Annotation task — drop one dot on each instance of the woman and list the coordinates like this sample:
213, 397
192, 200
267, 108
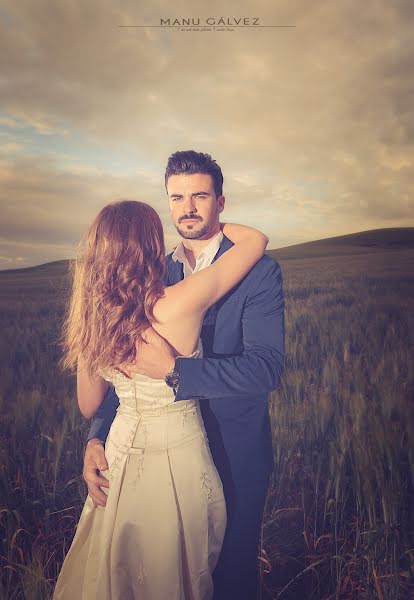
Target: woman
160, 534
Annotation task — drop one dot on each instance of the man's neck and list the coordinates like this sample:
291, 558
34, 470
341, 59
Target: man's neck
193, 248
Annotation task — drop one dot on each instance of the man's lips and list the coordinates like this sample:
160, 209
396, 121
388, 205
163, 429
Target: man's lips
189, 220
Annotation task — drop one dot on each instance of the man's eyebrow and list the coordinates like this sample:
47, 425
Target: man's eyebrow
201, 193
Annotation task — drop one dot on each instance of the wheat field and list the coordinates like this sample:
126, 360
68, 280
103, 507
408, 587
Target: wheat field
339, 519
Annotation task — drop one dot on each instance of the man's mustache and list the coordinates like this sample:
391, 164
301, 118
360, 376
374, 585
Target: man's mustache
194, 217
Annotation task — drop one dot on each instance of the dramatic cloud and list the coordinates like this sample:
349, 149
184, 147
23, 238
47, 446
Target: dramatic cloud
313, 125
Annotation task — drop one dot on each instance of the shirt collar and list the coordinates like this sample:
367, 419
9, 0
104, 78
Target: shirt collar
212, 247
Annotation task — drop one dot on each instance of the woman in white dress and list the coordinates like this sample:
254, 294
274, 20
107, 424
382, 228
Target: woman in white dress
160, 534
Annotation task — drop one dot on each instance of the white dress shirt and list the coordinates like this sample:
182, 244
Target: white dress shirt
203, 260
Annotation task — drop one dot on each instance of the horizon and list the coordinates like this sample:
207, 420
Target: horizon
270, 250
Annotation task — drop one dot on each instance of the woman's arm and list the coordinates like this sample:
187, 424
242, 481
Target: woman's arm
197, 293
91, 390
258, 368
238, 233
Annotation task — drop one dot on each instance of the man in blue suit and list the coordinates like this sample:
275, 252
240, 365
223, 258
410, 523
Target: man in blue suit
243, 343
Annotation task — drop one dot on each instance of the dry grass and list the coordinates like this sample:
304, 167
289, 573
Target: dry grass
338, 522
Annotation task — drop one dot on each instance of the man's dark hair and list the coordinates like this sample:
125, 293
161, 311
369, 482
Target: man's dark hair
189, 162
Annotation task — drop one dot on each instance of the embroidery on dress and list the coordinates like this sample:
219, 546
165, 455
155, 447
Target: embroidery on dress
184, 414
138, 473
206, 486
113, 467
141, 574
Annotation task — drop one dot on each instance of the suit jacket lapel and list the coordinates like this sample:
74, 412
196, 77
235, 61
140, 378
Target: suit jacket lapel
224, 246
175, 272
176, 269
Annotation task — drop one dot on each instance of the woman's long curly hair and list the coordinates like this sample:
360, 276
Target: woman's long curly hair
117, 278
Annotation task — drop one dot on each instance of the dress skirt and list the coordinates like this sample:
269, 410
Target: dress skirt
160, 534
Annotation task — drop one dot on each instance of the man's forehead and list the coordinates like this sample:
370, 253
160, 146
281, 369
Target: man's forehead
189, 181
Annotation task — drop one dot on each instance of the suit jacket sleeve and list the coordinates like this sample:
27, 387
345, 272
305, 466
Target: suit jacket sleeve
104, 416
258, 369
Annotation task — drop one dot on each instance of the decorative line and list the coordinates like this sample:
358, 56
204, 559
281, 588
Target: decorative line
234, 26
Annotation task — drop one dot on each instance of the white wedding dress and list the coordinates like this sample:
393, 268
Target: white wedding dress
160, 534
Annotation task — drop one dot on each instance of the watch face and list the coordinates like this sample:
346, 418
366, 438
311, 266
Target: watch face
172, 379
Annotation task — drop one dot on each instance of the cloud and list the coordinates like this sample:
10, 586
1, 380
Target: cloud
313, 126
59, 204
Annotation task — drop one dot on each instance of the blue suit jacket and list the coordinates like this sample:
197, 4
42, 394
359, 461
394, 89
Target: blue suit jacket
243, 343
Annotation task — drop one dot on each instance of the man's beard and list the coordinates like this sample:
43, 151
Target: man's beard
189, 234
193, 234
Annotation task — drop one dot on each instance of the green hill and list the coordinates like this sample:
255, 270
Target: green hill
49, 275
373, 240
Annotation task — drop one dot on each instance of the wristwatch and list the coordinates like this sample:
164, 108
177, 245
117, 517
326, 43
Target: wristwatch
172, 379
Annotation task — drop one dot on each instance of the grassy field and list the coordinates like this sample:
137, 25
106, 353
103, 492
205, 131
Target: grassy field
339, 520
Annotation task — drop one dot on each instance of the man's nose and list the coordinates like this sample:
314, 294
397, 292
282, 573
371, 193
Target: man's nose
189, 205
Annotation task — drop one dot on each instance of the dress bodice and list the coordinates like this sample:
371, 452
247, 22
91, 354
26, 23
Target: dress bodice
148, 416
141, 394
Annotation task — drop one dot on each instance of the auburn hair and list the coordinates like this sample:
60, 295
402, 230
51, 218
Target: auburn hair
117, 278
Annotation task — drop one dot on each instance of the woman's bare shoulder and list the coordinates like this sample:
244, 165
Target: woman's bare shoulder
165, 306
176, 322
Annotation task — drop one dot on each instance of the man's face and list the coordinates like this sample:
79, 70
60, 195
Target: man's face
194, 207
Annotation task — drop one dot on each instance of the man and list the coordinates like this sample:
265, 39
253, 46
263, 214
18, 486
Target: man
243, 343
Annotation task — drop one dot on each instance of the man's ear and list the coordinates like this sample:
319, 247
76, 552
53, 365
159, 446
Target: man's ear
221, 200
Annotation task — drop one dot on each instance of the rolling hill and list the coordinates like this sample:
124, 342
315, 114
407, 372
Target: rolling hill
363, 242
373, 240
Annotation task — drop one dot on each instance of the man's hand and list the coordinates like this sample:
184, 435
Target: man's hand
95, 461
155, 357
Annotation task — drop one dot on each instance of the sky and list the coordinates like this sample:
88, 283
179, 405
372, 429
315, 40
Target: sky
312, 125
